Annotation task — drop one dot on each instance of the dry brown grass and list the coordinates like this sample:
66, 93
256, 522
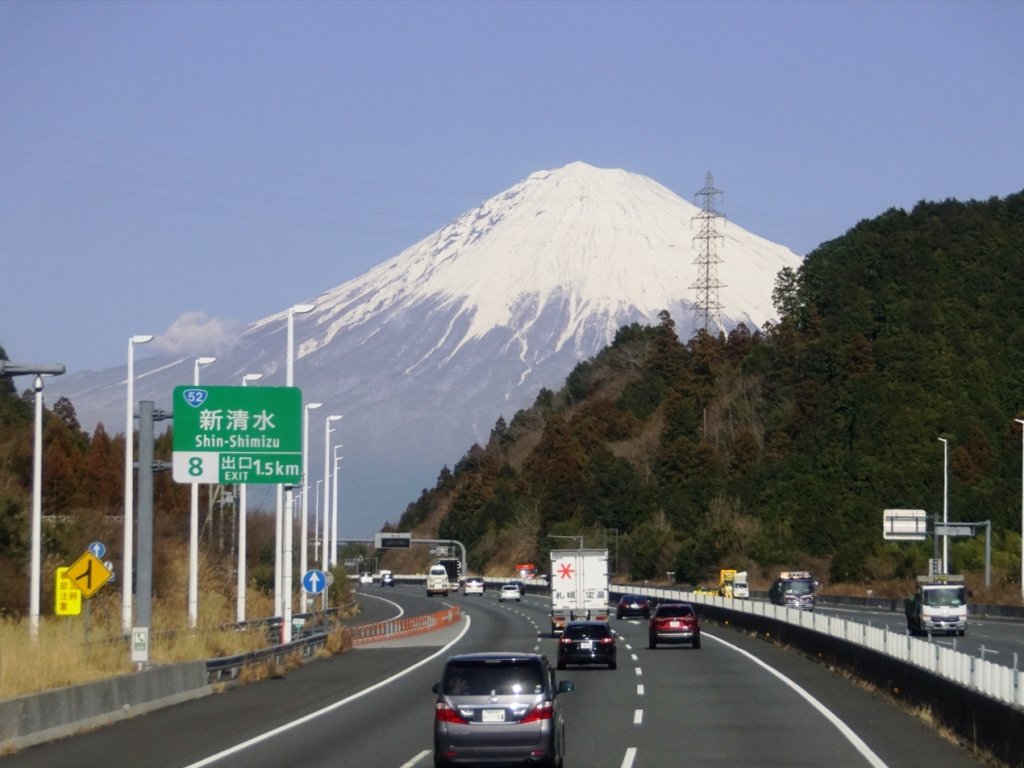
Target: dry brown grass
76, 649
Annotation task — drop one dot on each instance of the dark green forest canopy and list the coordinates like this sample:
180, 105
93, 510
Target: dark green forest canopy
777, 445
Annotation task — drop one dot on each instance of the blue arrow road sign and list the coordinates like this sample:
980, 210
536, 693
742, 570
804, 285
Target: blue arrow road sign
314, 581
98, 549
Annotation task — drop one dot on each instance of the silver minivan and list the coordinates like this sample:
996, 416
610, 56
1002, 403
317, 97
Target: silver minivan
499, 707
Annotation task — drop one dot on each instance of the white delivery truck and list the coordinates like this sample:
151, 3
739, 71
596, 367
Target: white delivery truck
579, 586
740, 586
437, 580
938, 607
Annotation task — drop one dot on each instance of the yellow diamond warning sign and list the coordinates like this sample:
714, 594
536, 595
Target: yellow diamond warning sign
88, 573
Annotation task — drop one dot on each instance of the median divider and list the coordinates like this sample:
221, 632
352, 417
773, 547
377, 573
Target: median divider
392, 629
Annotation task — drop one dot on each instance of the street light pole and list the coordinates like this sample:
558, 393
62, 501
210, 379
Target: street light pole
1021, 422
304, 555
193, 553
129, 490
37, 510
945, 503
243, 528
9, 368
316, 536
295, 309
325, 560
334, 504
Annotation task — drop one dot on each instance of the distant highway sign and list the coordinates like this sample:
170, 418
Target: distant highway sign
392, 540
904, 525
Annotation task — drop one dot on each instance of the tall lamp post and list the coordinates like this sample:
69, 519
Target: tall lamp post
316, 536
1021, 422
193, 539
326, 563
13, 369
945, 503
304, 555
129, 489
243, 528
295, 309
334, 504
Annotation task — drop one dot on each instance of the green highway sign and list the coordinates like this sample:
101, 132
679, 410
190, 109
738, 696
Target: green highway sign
237, 435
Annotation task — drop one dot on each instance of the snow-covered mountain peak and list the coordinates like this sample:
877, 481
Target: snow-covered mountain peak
423, 352
606, 242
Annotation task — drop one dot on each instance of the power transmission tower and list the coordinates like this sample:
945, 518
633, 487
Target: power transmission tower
707, 309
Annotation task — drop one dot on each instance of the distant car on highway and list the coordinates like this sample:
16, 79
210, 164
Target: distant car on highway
499, 707
473, 586
673, 623
587, 642
633, 605
509, 592
387, 579
366, 578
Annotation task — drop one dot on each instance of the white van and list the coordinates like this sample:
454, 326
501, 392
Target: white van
437, 581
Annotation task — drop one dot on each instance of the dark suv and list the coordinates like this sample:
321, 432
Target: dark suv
587, 642
499, 707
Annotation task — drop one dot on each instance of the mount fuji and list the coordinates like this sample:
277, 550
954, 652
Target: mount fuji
424, 352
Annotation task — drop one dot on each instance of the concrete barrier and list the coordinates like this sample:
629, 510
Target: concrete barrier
37, 718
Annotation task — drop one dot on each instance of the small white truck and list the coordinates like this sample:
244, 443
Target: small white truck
740, 586
938, 607
437, 580
579, 586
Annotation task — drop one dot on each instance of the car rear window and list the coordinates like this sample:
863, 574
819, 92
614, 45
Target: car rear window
586, 630
502, 678
675, 610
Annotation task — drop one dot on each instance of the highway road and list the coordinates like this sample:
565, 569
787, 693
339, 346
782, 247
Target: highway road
738, 701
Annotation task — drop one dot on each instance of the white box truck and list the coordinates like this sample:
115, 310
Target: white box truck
437, 580
938, 607
579, 586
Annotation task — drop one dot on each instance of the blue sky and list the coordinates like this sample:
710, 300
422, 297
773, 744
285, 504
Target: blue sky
186, 168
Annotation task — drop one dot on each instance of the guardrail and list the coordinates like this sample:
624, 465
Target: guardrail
312, 640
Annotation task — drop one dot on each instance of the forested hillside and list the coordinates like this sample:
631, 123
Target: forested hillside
781, 446
770, 448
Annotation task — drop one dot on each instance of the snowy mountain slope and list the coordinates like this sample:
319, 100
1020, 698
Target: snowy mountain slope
423, 352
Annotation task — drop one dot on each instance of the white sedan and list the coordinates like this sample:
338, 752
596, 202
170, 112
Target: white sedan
366, 578
510, 592
473, 587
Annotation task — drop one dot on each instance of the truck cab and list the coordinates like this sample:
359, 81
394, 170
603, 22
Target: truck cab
794, 589
939, 606
740, 587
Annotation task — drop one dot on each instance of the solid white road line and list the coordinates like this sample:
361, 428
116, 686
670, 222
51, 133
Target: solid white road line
416, 759
329, 708
842, 727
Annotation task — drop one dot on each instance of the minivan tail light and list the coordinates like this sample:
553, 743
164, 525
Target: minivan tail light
446, 714
543, 711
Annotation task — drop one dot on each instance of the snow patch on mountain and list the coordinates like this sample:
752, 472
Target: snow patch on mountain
425, 351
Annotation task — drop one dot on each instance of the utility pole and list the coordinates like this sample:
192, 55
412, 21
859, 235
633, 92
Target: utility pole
707, 311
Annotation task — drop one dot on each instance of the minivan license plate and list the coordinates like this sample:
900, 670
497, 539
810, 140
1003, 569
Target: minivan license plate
493, 716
